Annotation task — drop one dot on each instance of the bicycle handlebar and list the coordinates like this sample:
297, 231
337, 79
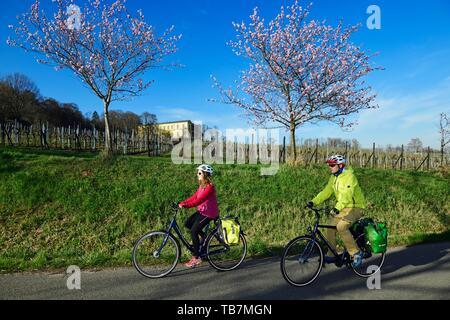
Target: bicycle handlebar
317, 211
175, 206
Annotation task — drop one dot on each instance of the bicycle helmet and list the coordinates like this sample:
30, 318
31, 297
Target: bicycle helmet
206, 168
336, 159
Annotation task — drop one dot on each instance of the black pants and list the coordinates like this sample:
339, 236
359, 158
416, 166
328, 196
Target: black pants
195, 224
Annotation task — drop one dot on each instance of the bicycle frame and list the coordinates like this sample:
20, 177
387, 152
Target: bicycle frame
316, 233
174, 226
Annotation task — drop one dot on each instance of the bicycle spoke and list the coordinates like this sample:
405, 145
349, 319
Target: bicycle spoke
302, 261
224, 257
155, 255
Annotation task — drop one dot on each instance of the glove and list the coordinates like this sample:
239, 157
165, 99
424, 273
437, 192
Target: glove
335, 211
175, 206
310, 205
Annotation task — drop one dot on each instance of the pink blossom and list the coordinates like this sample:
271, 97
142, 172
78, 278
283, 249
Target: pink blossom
110, 52
300, 71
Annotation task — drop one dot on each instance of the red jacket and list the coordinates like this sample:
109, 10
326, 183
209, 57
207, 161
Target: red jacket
205, 200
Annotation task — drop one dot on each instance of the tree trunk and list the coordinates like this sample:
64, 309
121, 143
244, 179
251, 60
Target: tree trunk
108, 146
293, 145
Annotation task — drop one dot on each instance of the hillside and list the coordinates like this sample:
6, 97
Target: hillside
62, 208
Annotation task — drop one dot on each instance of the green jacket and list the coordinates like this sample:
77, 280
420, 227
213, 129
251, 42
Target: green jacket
346, 189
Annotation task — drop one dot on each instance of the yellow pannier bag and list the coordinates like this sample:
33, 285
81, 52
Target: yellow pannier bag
230, 231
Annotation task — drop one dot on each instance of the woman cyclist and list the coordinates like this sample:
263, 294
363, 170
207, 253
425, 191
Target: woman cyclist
205, 200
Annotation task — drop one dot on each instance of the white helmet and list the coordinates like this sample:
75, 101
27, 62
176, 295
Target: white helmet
336, 159
206, 168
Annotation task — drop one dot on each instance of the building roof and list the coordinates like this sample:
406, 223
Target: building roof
172, 122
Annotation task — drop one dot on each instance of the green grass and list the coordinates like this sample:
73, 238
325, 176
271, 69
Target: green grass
62, 208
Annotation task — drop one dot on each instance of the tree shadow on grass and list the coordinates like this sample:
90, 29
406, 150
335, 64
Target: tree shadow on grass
29, 151
9, 168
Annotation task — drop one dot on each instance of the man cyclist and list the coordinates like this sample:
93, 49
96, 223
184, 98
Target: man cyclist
348, 209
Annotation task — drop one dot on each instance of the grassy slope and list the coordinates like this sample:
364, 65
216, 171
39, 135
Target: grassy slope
59, 208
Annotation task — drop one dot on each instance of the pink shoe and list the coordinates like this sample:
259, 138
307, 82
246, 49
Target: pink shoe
193, 262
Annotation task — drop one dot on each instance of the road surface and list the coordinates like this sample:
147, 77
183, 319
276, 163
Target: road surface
418, 272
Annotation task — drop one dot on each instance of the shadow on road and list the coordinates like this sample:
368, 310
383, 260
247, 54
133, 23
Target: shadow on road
330, 282
261, 279
418, 255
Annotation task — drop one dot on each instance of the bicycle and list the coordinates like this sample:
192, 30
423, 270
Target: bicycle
157, 253
305, 253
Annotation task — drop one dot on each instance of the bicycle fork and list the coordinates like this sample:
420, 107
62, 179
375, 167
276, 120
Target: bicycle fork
157, 252
306, 252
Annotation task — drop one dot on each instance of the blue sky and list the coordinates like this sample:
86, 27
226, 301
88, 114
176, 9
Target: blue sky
414, 46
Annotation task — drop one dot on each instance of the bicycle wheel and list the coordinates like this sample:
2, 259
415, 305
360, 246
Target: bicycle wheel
370, 265
156, 254
225, 257
302, 261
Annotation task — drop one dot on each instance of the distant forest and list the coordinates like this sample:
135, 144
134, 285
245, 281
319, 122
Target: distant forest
20, 100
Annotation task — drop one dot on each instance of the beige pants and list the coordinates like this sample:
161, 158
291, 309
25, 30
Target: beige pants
343, 221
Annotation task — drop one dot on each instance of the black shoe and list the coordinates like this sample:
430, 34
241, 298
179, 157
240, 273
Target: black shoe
340, 260
329, 260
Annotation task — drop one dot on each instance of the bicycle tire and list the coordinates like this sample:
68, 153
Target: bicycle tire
138, 264
215, 263
318, 252
382, 256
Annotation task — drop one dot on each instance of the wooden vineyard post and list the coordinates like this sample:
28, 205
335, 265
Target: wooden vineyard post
317, 151
373, 155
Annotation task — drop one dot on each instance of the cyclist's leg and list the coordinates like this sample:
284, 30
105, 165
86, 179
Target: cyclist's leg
330, 235
190, 221
196, 230
348, 217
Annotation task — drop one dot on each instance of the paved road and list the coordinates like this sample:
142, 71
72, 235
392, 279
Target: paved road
419, 272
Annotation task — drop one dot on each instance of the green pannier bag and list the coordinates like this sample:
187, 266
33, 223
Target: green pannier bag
376, 237
231, 230
357, 230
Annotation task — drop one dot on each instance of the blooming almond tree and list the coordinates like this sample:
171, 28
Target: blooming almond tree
101, 42
299, 72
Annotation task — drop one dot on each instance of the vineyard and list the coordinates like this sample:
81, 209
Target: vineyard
146, 140
152, 142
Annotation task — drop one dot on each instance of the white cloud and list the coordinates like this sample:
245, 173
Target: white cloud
396, 121
407, 111
418, 119
177, 113
401, 118
212, 117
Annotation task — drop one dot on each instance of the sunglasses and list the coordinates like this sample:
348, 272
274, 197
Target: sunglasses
332, 165
200, 173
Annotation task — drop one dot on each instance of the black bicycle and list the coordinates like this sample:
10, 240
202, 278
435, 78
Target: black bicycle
157, 253
303, 257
